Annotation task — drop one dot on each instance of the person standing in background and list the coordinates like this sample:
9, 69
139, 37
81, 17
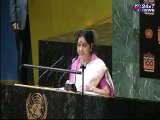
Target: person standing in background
19, 19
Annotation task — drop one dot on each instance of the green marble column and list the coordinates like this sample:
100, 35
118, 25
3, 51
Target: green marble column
125, 55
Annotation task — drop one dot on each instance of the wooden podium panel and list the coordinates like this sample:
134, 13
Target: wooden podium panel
33, 102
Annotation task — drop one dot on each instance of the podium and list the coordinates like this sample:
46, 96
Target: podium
33, 102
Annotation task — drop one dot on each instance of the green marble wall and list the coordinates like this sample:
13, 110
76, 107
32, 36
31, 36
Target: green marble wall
125, 55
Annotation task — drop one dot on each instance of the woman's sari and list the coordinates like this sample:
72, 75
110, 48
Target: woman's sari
95, 73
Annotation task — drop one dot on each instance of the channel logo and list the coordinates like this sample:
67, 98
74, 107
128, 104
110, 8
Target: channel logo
137, 7
144, 8
148, 62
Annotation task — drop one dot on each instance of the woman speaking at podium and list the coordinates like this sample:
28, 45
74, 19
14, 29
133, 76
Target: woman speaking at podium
96, 75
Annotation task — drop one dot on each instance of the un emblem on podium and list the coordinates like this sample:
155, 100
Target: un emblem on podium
36, 106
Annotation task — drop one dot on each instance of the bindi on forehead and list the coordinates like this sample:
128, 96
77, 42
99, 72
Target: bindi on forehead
82, 40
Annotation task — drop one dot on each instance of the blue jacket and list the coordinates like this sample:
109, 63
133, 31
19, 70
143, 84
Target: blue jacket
18, 12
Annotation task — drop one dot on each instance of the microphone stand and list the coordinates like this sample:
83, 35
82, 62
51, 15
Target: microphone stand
83, 67
65, 73
51, 67
60, 80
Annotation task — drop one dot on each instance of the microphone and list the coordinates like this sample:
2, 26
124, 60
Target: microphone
65, 73
49, 74
61, 58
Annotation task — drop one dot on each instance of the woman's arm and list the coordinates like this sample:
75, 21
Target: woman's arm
102, 88
105, 91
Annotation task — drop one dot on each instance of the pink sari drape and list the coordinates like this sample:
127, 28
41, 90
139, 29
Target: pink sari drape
104, 81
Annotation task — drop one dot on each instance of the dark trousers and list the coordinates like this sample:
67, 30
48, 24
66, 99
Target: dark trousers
23, 42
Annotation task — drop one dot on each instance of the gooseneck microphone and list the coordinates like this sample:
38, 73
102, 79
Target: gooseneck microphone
61, 58
65, 73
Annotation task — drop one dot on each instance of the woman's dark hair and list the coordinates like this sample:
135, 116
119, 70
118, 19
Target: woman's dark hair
87, 34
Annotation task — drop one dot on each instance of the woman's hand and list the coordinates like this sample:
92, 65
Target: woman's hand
103, 92
88, 88
69, 82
